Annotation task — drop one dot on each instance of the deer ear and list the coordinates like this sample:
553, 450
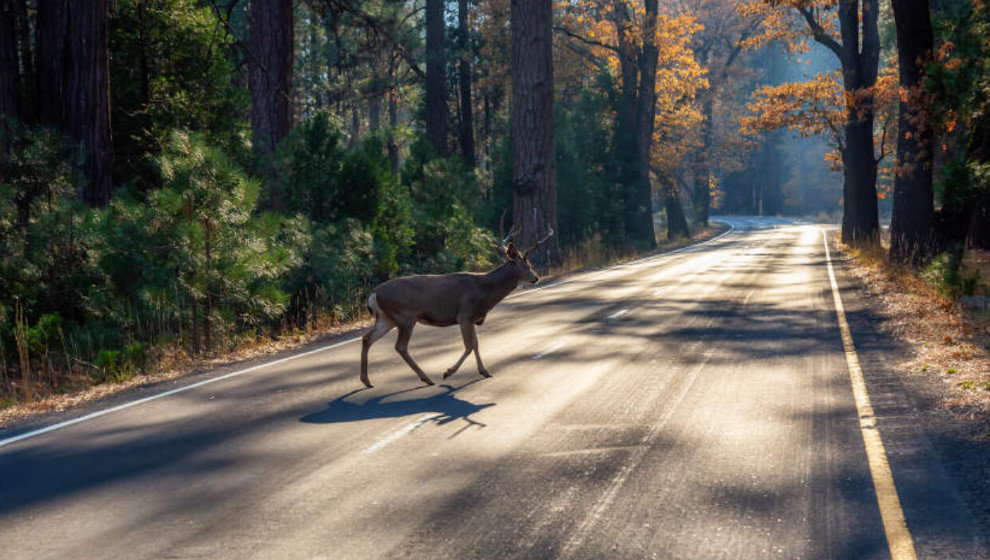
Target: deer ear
511, 252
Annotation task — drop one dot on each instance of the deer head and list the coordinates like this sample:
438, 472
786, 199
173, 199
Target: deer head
512, 255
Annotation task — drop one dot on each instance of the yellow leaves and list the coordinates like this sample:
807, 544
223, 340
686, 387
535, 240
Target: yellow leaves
782, 21
806, 108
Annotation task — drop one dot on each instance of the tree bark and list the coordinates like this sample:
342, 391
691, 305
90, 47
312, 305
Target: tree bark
436, 79
859, 73
534, 174
701, 197
626, 136
639, 208
10, 74
676, 222
270, 82
393, 122
464, 81
913, 213
74, 85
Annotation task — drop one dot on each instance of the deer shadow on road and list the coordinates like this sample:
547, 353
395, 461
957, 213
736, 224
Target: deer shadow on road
445, 406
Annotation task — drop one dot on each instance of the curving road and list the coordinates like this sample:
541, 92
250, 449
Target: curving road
692, 405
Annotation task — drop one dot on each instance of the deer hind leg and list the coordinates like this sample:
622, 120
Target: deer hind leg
467, 332
382, 325
402, 347
481, 367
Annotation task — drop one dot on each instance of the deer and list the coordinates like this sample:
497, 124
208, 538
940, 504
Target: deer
462, 299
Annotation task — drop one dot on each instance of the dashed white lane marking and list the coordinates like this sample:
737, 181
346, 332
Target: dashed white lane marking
618, 314
549, 351
400, 432
169, 393
895, 527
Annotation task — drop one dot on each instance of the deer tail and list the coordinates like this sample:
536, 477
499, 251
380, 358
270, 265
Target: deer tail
373, 305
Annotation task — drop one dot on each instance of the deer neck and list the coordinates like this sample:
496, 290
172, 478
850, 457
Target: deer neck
502, 280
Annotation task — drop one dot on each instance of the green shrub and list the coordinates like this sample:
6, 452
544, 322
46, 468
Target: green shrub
945, 275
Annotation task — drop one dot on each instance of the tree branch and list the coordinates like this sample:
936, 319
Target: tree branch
584, 40
819, 33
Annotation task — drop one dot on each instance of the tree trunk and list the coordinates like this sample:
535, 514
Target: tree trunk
701, 197
10, 74
393, 122
464, 80
534, 173
270, 82
913, 209
626, 135
436, 79
374, 112
75, 85
676, 222
639, 208
859, 217
859, 72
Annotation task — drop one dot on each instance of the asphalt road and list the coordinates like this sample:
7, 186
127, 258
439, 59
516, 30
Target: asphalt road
693, 405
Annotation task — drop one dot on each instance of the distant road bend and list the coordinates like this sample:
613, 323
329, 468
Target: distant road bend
699, 404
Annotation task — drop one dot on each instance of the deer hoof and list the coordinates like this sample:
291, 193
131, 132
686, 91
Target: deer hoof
429, 381
448, 373
484, 373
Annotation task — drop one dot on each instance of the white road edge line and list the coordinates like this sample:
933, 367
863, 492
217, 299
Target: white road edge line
168, 393
894, 525
549, 351
618, 314
97, 414
400, 432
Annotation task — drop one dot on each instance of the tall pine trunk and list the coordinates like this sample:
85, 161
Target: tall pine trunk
393, 123
270, 82
912, 219
74, 85
436, 79
534, 174
464, 81
10, 75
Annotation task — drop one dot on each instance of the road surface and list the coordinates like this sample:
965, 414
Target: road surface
693, 405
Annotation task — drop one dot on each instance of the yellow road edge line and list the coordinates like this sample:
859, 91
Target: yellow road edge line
899, 539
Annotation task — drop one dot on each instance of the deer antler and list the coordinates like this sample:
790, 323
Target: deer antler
503, 246
541, 241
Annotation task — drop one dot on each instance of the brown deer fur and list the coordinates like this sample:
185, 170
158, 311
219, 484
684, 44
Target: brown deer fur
451, 299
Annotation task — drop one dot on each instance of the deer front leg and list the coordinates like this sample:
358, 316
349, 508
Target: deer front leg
467, 332
481, 367
402, 346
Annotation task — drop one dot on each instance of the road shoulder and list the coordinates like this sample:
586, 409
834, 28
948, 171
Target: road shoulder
940, 466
